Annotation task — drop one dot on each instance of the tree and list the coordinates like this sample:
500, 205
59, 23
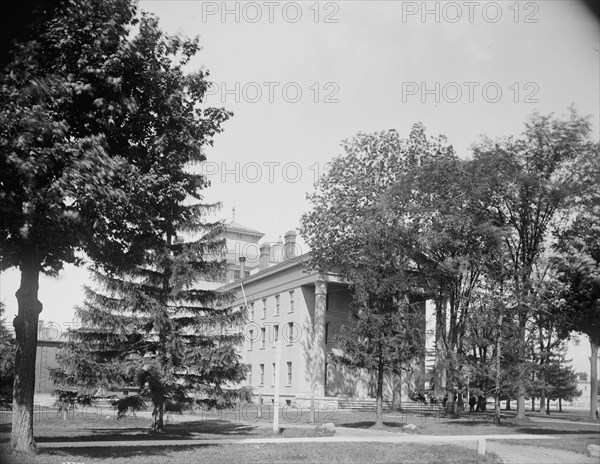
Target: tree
354, 183
89, 124
454, 246
381, 341
353, 231
562, 382
153, 327
524, 186
387, 335
577, 260
7, 359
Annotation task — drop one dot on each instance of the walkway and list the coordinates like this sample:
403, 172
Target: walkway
510, 454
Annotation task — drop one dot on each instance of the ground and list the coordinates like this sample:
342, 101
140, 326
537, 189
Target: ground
95, 435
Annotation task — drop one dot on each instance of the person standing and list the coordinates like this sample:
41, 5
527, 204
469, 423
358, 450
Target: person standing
472, 403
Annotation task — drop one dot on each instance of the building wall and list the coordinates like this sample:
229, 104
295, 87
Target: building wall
275, 284
45, 359
260, 348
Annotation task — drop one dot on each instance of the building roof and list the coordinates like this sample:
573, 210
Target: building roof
234, 226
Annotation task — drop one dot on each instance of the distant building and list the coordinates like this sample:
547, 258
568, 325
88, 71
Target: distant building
584, 385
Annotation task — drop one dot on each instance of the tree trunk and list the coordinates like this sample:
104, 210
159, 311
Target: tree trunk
440, 348
520, 383
498, 358
508, 404
542, 400
460, 404
158, 413
481, 404
26, 331
533, 403
560, 405
379, 400
593, 380
450, 401
521, 401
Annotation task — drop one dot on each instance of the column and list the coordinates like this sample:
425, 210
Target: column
319, 337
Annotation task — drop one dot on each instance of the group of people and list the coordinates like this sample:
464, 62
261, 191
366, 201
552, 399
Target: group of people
476, 404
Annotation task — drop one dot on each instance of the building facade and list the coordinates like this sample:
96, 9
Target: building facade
293, 314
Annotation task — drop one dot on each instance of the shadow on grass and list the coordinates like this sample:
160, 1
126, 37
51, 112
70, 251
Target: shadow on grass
550, 431
370, 424
181, 431
119, 452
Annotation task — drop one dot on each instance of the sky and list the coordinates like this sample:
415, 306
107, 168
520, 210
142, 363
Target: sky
301, 77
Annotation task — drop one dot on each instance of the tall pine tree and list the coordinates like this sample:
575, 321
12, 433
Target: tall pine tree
152, 326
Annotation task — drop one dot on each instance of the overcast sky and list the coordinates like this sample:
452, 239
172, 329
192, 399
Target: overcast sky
301, 77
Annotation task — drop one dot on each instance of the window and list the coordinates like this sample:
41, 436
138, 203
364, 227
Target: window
275, 333
250, 375
262, 374
291, 301
276, 305
251, 311
326, 373
327, 333
289, 373
250, 339
264, 308
290, 338
263, 336
273, 373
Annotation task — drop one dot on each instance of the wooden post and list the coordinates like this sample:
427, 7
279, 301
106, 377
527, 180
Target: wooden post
481, 446
260, 403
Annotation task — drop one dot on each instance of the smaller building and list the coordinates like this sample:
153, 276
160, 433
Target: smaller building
583, 385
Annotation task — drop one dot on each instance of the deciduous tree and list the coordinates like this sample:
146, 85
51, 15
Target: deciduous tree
524, 184
95, 105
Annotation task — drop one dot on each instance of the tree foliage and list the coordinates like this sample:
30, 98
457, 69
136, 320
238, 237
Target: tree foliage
7, 359
473, 235
523, 185
98, 123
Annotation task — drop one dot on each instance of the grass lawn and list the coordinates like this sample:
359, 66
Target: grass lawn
576, 444
264, 453
575, 435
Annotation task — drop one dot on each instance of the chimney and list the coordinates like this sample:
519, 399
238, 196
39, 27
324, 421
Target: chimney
289, 248
265, 256
242, 267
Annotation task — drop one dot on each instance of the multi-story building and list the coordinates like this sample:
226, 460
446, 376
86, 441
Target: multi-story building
297, 312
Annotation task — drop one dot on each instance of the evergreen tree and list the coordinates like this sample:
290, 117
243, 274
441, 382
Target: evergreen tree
382, 341
561, 382
152, 326
7, 360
